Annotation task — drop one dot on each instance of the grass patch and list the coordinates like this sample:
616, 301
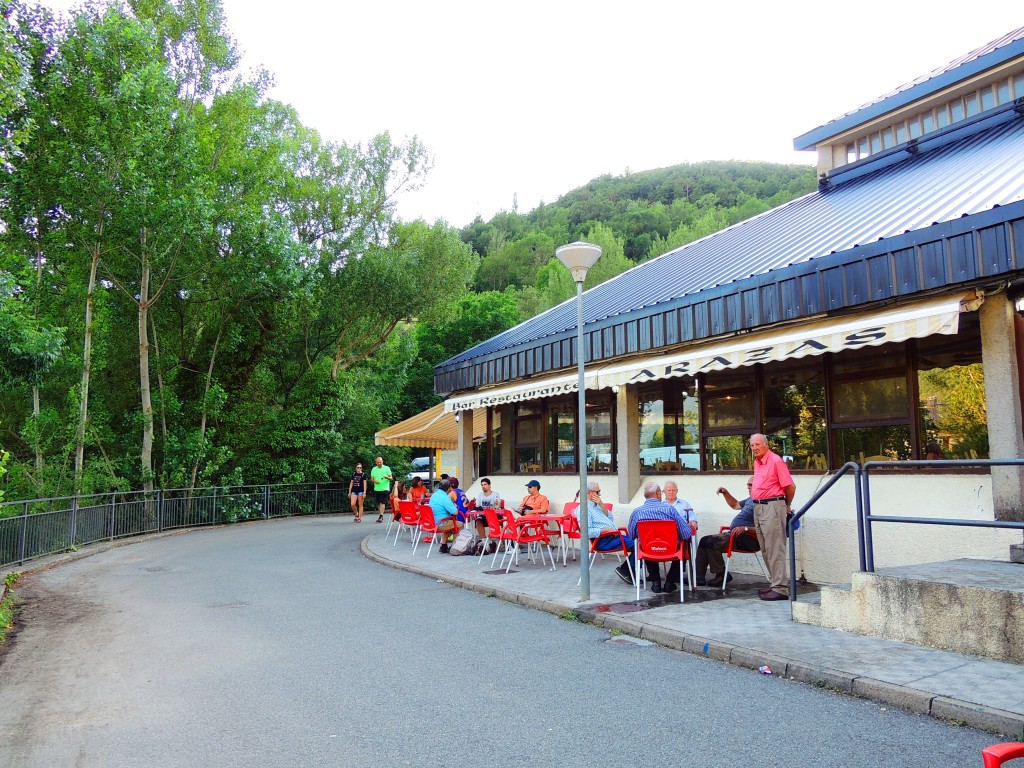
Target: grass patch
569, 616
7, 605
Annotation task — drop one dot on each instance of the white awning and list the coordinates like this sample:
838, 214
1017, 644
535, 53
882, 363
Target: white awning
562, 384
938, 316
926, 318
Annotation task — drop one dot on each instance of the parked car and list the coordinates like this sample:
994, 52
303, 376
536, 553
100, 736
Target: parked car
420, 468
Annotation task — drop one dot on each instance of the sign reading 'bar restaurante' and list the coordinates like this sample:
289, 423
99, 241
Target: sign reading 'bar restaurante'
939, 316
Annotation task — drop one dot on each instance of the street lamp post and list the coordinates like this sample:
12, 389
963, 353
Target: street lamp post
579, 257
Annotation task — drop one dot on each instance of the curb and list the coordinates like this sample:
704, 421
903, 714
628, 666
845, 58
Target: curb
910, 699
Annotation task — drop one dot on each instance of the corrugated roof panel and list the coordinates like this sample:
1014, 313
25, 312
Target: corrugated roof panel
963, 177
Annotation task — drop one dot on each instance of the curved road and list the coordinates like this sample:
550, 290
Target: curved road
277, 644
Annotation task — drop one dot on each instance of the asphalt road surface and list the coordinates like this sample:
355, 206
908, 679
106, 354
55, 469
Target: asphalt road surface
278, 644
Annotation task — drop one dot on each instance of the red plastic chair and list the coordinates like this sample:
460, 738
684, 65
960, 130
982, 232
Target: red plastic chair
408, 518
733, 548
571, 525
998, 754
658, 541
527, 532
570, 529
395, 515
436, 530
622, 551
498, 532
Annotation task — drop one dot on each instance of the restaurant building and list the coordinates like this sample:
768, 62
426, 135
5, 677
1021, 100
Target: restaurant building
870, 319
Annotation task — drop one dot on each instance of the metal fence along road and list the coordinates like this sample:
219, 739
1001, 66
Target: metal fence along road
39, 527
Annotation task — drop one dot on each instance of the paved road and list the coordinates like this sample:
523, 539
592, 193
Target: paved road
277, 644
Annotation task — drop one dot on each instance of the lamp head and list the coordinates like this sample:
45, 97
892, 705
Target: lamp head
578, 258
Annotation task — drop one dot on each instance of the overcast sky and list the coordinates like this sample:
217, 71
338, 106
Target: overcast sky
532, 99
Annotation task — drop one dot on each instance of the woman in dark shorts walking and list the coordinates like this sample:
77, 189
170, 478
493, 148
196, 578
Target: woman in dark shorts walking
357, 492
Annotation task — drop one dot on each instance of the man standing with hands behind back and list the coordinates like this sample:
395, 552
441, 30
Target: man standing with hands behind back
772, 492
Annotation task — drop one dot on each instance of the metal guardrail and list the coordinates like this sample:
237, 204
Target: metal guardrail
865, 518
793, 522
41, 527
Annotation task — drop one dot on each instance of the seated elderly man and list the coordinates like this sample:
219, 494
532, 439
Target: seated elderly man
599, 521
711, 547
654, 508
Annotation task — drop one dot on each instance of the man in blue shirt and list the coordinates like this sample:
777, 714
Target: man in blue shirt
654, 508
599, 520
711, 547
444, 510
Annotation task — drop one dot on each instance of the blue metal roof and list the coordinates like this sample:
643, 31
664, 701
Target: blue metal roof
1003, 49
960, 179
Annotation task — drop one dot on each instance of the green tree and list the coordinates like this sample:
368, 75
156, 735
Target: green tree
555, 283
477, 317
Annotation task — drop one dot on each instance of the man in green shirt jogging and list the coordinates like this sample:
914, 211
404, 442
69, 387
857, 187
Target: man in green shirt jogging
381, 478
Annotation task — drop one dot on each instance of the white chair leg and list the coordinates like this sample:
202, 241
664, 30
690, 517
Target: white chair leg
725, 576
637, 578
682, 587
501, 548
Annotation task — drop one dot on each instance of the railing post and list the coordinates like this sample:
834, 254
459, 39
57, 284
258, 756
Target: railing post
266, 502
73, 523
869, 546
859, 496
24, 533
316, 497
160, 511
113, 507
791, 535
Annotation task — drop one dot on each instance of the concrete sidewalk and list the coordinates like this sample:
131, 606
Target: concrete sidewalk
740, 629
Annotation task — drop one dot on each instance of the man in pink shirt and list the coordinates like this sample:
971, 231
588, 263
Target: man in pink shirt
772, 492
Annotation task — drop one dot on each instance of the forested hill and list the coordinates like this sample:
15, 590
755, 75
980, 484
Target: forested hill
648, 212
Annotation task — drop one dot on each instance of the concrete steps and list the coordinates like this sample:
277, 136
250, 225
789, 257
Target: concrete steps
968, 606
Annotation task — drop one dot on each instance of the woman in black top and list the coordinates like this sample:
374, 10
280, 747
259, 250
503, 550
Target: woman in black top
357, 492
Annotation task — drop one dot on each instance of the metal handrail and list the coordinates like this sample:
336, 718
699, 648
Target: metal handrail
794, 520
865, 518
57, 524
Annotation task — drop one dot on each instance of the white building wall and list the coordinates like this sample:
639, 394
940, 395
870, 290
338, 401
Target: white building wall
827, 550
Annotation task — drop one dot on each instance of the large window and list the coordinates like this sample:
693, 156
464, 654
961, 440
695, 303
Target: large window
599, 435
529, 438
561, 442
670, 426
794, 414
951, 398
497, 441
546, 435
870, 404
730, 416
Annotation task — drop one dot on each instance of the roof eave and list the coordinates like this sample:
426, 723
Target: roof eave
822, 134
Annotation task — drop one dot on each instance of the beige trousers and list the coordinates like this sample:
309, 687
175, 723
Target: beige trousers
770, 524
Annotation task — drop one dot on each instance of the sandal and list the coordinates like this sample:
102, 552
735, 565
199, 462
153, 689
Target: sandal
380, 518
